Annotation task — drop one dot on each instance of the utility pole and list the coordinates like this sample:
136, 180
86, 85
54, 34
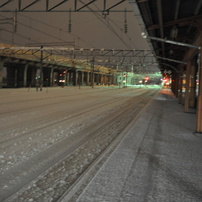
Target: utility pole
109, 74
199, 103
98, 76
41, 68
126, 76
92, 73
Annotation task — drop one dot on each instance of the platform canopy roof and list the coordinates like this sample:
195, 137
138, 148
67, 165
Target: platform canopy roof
173, 27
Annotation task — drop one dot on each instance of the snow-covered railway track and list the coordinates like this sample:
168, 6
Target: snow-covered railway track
10, 136
46, 100
20, 148
16, 118
15, 133
22, 100
54, 169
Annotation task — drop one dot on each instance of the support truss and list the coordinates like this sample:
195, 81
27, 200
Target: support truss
62, 6
82, 52
104, 57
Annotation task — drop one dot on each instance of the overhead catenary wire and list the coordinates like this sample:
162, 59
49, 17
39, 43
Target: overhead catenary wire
19, 35
107, 22
100, 17
126, 34
51, 26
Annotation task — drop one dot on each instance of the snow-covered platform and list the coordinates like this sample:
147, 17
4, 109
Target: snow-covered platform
160, 159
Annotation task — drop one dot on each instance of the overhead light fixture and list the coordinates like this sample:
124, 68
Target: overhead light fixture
174, 32
144, 35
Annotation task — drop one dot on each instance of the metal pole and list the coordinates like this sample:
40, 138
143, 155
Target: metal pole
172, 42
1, 73
199, 103
177, 61
109, 74
41, 68
187, 93
192, 101
92, 73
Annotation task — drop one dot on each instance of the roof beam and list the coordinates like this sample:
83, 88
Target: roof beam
177, 9
182, 21
140, 1
160, 17
198, 7
196, 12
171, 60
173, 42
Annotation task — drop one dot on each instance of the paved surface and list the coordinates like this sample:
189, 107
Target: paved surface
160, 159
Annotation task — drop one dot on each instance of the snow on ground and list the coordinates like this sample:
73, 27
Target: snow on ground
48, 138
160, 159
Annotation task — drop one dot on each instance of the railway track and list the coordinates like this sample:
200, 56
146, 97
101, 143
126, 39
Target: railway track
46, 100
56, 118
56, 168
10, 109
50, 121
44, 131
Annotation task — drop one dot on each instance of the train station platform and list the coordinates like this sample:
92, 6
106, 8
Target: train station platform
160, 159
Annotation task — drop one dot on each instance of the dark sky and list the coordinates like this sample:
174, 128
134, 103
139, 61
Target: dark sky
89, 29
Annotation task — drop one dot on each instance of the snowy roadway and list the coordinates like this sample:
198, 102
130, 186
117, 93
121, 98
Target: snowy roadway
52, 139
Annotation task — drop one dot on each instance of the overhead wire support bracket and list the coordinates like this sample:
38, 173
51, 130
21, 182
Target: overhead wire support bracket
138, 52
126, 52
31, 4
50, 9
113, 5
21, 6
26, 52
105, 11
117, 52
2, 5
83, 5
17, 51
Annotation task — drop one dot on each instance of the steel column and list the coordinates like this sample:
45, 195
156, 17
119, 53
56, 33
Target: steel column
25, 75
199, 103
51, 76
41, 69
87, 78
187, 94
82, 77
192, 101
1, 73
180, 84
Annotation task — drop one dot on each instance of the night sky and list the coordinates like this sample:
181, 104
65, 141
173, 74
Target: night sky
88, 29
